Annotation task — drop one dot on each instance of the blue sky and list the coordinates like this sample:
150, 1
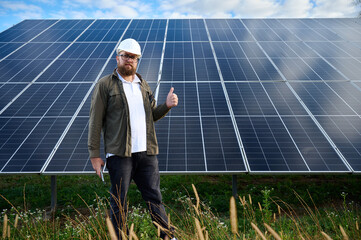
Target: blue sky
14, 11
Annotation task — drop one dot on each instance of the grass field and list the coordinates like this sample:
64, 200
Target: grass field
317, 203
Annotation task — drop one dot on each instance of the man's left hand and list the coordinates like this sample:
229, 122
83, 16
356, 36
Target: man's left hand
172, 99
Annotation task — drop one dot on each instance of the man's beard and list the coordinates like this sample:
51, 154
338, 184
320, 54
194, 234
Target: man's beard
126, 72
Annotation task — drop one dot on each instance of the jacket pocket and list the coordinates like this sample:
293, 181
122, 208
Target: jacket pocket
115, 101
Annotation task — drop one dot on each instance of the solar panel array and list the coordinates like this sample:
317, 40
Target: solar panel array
255, 95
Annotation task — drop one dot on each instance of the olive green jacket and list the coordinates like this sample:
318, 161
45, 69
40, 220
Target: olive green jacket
109, 112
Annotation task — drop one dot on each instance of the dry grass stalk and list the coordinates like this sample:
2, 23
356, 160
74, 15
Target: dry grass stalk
233, 212
199, 229
196, 194
302, 238
89, 236
207, 235
123, 235
273, 232
274, 217
196, 209
250, 199
345, 237
241, 200
16, 221
326, 236
113, 235
260, 207
8, 231
5, 226
254, 226
132, 234
279, 209
357, 226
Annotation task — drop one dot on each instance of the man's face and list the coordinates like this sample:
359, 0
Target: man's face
127, 63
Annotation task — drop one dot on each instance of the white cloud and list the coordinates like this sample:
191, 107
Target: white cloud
334, 9
258, 8
20, 6
294, 9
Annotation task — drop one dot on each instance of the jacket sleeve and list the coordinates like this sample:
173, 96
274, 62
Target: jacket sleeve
96, 116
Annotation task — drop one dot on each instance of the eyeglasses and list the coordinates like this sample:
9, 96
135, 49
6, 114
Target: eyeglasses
127, 57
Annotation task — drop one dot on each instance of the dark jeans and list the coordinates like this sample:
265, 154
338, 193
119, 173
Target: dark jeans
143, 169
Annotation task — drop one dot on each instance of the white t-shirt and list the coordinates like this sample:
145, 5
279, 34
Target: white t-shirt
136, 115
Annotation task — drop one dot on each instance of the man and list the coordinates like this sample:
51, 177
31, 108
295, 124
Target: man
123, 107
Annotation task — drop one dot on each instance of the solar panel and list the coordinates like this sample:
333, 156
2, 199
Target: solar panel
255, 95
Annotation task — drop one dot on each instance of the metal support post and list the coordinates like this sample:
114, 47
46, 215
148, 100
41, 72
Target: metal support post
53, 193
234, 186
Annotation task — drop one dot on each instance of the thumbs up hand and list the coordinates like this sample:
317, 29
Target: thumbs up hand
172, 98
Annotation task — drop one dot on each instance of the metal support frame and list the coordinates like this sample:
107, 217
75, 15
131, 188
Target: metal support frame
53, 193
234, 186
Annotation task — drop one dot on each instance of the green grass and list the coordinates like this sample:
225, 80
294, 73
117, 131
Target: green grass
316, 203
214, 190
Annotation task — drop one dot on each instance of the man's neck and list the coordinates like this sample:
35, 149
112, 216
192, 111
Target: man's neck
127, 78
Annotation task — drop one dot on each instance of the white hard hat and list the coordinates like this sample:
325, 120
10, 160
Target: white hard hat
129, 45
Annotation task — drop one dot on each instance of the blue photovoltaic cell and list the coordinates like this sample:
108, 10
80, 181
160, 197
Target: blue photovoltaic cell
178, 70
306, 34
323, 69
21, 70
353, 49
278, 50
221, 34
221, 145
327, 49
315, 149
295, 69
254, 23
349, 93
283, 99
286, 35
237, 70
30, 51
72, 154
149, 69
25, 31
350, 67
329, 35
186, 92
202, 50
267, 34
48, 99
88, 50
206, 70
321, 100
228, 50
73, 71
152, 50
302, 50
178, 50
252, 50
12, 133
249, 99
212, 99
265, 70
346, 134
7, 48
268, 145
35, 149
35, 101
8, 92
180, 145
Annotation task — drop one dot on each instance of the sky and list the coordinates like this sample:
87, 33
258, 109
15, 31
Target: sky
14, 11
